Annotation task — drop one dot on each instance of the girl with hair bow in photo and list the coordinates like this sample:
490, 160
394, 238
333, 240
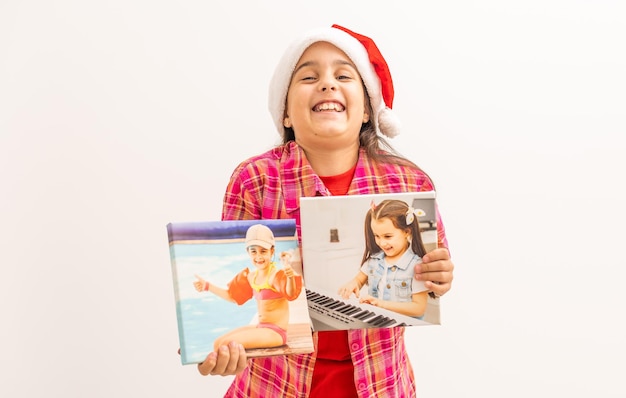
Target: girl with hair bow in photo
393, 246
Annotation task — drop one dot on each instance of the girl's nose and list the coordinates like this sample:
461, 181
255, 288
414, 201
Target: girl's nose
327, 82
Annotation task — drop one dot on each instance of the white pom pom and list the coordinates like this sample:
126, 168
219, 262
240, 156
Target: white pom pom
388, 123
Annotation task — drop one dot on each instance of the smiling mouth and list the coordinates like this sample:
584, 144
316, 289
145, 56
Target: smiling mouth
328, 107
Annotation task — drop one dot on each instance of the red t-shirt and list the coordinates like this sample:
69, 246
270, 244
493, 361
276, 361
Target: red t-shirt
333, 374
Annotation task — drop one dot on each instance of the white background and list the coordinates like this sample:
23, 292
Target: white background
118, 117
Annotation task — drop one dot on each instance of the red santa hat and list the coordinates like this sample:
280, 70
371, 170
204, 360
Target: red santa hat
366, 57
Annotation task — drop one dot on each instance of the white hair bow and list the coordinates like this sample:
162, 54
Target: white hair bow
411, 213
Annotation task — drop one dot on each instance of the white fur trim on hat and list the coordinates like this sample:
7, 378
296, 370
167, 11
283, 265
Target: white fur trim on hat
388, 122
383, 118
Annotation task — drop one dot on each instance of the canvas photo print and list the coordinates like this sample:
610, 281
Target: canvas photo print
359, 254
239, 281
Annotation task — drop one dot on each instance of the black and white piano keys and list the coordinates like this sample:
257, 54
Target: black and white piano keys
330, 312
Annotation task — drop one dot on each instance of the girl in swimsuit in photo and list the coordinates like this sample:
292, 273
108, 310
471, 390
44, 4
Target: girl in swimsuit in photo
273, 288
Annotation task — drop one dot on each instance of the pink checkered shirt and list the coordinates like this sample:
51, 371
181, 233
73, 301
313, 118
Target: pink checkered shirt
269, 186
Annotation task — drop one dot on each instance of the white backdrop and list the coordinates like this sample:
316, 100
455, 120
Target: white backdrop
118, 117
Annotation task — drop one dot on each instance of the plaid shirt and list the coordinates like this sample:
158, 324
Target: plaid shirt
269, 186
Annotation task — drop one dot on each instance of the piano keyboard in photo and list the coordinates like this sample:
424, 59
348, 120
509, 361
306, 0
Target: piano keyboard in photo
329, 313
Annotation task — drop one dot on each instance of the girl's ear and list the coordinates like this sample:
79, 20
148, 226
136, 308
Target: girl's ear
287, 122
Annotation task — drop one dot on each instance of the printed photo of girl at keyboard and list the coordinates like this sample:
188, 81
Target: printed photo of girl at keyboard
359, 257
393, 246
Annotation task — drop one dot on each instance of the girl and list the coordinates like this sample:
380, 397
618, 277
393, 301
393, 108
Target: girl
391, 229
271, 287
330, 99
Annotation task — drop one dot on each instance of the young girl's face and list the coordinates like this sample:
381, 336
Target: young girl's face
326, 100
260, 256
393, 241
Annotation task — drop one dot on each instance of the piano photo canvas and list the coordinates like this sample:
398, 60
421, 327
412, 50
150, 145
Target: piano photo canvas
359, 254
241, 281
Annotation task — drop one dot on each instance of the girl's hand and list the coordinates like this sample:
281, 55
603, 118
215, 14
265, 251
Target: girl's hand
289, 272
285, 258
346, 290
435, 271
370, 300
200, 284
227, 360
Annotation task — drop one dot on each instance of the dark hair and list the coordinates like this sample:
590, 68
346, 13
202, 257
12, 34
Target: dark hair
396, 211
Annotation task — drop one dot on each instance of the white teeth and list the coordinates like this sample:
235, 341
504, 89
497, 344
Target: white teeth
326, 106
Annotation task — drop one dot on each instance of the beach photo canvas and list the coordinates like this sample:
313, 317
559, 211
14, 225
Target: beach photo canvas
209, 259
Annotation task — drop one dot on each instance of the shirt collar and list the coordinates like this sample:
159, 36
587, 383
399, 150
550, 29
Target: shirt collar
299, 178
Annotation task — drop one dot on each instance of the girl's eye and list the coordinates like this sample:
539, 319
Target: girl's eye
343, 77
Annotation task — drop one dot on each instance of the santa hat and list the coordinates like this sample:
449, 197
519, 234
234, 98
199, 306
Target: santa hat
366, 57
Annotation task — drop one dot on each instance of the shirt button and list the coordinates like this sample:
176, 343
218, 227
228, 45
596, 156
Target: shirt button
355, 346
362, 386
388, 286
